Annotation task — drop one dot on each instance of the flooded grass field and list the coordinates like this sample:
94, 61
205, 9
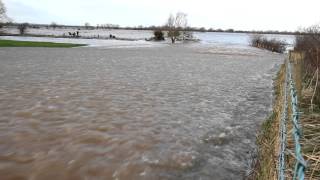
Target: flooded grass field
170, 112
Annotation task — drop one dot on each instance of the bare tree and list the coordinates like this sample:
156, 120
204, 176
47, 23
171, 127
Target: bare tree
87, 25
173, 33
22, 28
54, 25
2, 9
182, 24
3, 16
175, 25
181, 20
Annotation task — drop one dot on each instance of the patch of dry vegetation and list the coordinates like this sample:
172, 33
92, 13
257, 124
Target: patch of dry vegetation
308, 48
273, 45
265, 165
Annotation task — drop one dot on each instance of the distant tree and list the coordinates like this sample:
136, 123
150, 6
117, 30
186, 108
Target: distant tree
3, 16
229, 30
2, 9
202, 29
173, 32
22, 28
54, 25
87, 25
175, 25
109, 26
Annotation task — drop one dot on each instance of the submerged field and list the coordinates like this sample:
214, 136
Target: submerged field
171, 112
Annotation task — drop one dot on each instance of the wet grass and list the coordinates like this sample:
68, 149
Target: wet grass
11, 43
265, 164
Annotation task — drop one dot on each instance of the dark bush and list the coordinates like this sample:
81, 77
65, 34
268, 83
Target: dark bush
273, 45
158, 35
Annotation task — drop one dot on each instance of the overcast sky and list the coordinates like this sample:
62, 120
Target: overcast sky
237, 14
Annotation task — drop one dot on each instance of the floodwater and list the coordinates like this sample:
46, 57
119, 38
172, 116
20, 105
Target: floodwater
187, 111
217, 38
131, 34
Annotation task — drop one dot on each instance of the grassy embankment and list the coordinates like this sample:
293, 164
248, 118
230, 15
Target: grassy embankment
307, 82
11, 43
267, 141
265, 164
305, 63
306, 59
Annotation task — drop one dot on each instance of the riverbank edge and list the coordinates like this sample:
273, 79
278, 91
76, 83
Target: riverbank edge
265, 164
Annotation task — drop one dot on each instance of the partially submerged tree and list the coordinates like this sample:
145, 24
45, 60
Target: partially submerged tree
176, 26
173, 32
87, 25
22, 28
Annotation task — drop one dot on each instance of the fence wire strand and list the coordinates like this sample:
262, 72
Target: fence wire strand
283, 130
300, 164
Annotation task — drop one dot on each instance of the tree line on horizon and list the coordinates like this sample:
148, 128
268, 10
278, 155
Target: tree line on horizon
181, 25
5, 21
152, 27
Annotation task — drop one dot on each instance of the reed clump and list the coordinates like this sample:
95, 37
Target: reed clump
306, 66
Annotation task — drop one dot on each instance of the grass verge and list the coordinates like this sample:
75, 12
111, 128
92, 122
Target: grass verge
310, 122
265, 164
11, 43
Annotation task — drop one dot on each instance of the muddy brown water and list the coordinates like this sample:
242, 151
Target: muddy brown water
180, 112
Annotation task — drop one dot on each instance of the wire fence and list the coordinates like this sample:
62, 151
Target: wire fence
283, 129
300, 164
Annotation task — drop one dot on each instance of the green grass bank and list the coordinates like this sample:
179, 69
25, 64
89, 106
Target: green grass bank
12, 43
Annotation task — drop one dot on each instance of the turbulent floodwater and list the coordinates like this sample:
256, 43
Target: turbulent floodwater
178, 112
